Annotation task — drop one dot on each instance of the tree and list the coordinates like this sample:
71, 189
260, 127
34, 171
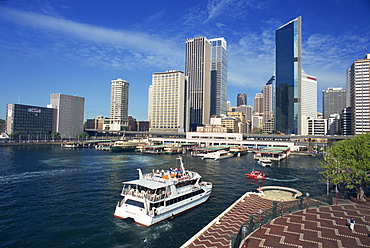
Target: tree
83, 135
348, 161
55, 135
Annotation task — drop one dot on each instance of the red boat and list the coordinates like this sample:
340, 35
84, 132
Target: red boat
256, 174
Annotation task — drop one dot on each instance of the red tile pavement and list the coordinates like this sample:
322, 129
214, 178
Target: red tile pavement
314, 227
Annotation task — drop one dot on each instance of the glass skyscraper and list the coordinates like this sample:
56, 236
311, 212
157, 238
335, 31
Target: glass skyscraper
288, 77
198, 69
219, 76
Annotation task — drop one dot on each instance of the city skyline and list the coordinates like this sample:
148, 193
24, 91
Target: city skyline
77, 49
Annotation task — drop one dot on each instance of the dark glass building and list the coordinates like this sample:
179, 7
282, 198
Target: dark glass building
30, 122
288, 77
241, 99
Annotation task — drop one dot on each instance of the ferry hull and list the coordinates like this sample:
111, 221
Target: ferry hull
124, 212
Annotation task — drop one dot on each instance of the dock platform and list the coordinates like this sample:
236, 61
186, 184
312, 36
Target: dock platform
325, 226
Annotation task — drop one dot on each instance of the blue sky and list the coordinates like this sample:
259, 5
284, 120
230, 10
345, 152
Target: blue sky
77, 47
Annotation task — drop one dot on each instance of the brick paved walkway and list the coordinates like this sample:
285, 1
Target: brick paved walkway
316, 227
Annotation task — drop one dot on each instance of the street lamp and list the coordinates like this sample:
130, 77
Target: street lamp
282, 207
260, 211
307, 195
244, 230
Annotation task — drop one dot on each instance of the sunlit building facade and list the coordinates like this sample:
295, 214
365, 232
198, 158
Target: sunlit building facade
168, 102
360, 98
69, 114
118, 105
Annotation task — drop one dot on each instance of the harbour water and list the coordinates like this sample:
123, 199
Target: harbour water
58, 197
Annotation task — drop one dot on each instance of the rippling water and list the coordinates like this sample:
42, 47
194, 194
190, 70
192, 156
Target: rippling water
55, 197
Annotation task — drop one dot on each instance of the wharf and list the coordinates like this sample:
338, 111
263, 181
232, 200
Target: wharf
325, 226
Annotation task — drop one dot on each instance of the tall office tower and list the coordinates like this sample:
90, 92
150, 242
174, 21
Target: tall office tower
119, 105
219, 63
334, 101
198, 70
168, 102
308, 96
258, 104
288, 77
359, 81
69, 114
348, 88
241, 99
267, 92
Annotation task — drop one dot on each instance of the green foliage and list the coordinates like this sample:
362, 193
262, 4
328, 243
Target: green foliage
348, 161
15, 135
55, 135
83, 135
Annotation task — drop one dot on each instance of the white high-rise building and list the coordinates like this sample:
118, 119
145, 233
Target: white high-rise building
267, 92
360, 98
69, 115
308, 98
118, 105
258, 104
219, 62
168, 105
198, 69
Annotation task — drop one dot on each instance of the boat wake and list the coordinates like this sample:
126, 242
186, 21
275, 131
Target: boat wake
290, 179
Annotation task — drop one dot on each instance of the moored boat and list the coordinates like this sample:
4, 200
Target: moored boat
256, 174
161, 195
265, 162
124, 146
217, 155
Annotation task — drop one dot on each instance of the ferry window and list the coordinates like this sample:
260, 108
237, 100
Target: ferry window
135, 203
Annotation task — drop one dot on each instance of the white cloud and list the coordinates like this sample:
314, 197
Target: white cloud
95, 44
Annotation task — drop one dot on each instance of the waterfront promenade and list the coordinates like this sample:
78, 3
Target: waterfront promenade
325, 226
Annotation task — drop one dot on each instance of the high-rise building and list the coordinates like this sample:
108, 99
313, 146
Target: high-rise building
267, 92
241, 99
69, 114
168, 102
198, 70
219, 63
308, 96
346, 121
29, 122
118, 105
288, 77
360, 98
334, 101
258, 104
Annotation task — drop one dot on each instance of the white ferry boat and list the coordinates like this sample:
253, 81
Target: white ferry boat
161, 195
265, 162
218, 155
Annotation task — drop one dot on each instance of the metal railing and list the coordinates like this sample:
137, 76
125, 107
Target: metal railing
256, 221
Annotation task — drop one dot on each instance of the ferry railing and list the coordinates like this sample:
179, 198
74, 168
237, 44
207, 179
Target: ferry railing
149, 196
256, 221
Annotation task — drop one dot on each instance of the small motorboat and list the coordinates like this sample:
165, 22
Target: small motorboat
256, 174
